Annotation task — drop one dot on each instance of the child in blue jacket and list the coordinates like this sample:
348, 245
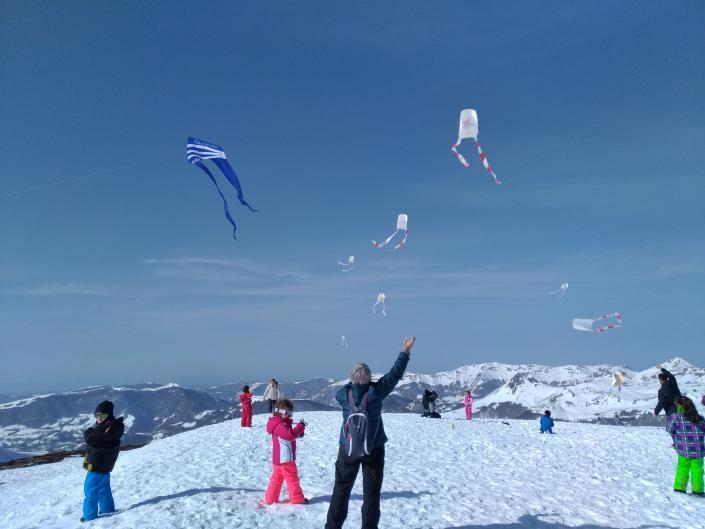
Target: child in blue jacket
546, 422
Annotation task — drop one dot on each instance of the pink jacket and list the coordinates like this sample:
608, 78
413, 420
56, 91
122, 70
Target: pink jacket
283, 438
468, 400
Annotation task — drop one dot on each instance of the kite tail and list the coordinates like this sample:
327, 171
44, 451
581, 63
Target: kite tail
402, 242
483, 158
386, 241
230, 174
225, 202
225, 206
615, 315
454, 148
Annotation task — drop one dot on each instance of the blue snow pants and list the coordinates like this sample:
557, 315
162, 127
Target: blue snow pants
97, 494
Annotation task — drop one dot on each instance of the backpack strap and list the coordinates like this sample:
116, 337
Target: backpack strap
363, 403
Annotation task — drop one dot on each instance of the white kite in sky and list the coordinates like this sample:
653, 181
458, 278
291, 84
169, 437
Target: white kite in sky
349, 265
584, 324
618, 380
469, 129
402, 222
380, 301
344, 341
561, 291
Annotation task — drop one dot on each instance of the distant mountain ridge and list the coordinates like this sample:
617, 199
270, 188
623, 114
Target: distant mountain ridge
44, 423
576, 393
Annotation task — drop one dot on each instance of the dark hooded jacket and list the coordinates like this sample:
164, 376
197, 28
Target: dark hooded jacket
377, 392
103, 445
667, 394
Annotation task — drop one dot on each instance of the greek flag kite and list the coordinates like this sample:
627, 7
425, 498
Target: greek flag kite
199, 150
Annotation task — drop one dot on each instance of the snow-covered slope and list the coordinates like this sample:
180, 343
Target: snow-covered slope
443, 474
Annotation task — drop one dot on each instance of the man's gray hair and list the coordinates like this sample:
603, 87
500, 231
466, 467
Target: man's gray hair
360, 374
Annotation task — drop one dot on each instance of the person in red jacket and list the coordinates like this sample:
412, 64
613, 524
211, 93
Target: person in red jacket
246, 401
284, 454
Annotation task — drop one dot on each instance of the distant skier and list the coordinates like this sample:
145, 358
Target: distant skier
102, 449
688, 431
246, 401
667, 393
546, 422
468, 405
272, 394
284, 454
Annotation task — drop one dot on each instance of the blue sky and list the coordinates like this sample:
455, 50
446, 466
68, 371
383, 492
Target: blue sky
117, 264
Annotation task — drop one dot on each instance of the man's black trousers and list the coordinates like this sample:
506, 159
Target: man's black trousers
345, 474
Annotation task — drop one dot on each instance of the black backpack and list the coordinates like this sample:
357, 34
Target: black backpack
355, 429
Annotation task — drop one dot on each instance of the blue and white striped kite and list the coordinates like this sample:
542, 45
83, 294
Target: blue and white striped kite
199, 150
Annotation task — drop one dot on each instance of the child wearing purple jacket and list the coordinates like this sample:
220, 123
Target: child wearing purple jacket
688, 431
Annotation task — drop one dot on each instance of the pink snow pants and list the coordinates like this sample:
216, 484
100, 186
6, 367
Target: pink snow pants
468, 412
285, 472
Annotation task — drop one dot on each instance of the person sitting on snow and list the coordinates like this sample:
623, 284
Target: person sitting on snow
102, 449
432, 405
546, 422
425, 400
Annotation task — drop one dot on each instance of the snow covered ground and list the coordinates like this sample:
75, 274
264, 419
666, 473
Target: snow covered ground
446, 473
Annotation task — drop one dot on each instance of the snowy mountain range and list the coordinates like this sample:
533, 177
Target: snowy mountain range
44, 423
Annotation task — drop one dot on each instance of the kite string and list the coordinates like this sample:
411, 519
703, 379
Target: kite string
76, 178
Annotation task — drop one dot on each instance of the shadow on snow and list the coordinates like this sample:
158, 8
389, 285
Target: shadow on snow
186, 494
384, 496
528, 521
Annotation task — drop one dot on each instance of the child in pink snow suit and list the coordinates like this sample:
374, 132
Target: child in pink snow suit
284, 454
468, 405
246, 401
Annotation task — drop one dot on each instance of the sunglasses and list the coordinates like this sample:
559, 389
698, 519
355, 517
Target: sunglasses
101, 415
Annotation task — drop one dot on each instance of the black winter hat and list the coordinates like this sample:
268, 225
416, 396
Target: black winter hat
105, 407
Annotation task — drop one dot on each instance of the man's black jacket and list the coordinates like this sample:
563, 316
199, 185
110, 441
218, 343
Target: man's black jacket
667, 395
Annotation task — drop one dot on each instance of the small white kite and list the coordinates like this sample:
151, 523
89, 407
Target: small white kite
618, 380
349, 265
380, 301
344, 341
402, 222
561, 291
469, 129
580, 324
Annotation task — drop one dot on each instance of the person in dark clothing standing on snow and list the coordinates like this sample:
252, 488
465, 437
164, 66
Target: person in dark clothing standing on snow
667, 393
102, 449
366, 396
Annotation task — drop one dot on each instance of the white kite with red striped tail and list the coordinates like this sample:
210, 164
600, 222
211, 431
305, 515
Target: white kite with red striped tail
584, 324
402, 225
469, 129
